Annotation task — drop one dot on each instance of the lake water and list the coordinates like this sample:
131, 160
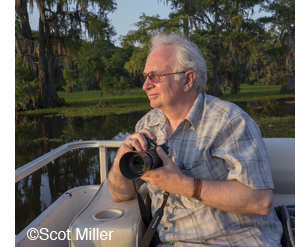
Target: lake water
36, 135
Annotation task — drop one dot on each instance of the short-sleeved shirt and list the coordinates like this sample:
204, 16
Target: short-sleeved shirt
217, 141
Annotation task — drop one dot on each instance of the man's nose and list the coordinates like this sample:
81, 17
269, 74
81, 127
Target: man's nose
147, 84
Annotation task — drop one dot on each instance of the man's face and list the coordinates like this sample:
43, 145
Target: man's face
167, 93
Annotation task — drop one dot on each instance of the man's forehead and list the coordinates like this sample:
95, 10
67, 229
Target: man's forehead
159, 59
163, 51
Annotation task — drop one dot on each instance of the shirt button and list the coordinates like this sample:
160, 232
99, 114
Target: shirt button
165, 228
167, 205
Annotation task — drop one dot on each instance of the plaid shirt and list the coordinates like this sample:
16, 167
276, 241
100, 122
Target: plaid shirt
217, 141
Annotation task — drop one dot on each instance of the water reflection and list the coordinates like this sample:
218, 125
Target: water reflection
37, 135
269, 108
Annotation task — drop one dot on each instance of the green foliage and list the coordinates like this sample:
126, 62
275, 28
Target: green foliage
70, 76
99, 65
203, 43
227, 31
112, 85
137, 61
237, 48
63, 31
139, 39
267, 61
99, 27
115, 78
25, 85
275, 80
90, 65
22, 72
282, 28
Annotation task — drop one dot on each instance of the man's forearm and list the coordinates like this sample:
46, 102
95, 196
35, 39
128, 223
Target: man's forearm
121, 189
230, 196
235, 197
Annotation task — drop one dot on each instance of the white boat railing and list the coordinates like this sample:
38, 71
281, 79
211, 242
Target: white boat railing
36, 164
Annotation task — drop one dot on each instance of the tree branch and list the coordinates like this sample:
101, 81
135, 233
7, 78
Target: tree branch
208, 18
203, 21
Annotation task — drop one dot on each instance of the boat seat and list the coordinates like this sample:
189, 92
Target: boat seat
281, 153
106, 223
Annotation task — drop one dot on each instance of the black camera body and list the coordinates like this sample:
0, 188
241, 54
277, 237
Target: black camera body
134, 164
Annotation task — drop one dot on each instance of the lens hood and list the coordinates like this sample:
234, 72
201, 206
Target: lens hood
135, 163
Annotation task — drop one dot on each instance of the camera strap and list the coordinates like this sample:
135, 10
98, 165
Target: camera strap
151, 230
145, 214
151, 225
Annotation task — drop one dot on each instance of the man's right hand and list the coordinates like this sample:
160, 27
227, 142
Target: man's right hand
137, 141
121, 188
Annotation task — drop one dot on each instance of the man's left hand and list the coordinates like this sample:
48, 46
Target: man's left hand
169, 178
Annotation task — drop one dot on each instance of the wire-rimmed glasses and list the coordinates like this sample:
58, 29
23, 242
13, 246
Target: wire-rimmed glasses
155, 77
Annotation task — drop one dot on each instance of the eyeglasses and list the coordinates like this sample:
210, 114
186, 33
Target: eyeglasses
155, 77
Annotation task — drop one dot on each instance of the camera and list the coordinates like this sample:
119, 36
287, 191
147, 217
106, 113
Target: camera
134, 164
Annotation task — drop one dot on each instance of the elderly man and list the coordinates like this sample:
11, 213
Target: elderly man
217, 171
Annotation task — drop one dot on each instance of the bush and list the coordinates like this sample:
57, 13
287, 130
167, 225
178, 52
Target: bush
25, 86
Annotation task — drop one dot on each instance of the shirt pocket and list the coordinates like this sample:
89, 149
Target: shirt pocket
196, 171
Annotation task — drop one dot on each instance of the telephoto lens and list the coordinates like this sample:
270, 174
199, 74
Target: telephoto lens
134, 164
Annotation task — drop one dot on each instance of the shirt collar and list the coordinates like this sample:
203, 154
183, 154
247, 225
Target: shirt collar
159, 119
196, 111
193, 116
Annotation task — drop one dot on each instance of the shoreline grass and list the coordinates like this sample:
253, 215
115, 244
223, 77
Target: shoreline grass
86, 104
256, 93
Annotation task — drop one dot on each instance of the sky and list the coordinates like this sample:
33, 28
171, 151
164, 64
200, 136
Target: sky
126, 14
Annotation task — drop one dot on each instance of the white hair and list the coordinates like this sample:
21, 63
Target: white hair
188, 57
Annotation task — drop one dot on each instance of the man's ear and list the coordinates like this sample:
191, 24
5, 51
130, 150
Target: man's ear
190, 76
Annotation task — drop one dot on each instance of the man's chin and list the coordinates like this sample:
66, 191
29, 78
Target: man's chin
154, 104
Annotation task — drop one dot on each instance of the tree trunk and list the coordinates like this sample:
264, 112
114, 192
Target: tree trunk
42, 77
235, 78
52, 98
214, 90
17, 45
213, 87
289, 88
28, 47
47, 94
